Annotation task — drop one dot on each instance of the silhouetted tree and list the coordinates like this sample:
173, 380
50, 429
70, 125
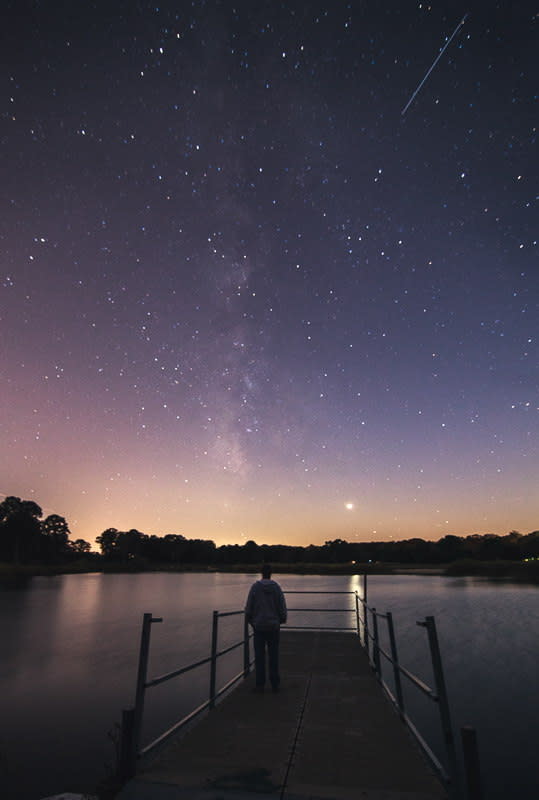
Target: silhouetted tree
19, 529
56, 531
199, 551
108, 542
80, 546
337, 551
491, 548
251, 552
173, 547
529, 545
450, 547
129, 543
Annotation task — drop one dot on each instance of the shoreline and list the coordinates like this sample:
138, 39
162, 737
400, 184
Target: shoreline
515, 570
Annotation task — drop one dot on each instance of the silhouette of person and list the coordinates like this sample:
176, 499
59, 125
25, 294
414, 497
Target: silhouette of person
266, 612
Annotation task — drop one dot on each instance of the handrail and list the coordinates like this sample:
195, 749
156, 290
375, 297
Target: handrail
329, 610
130, 750
230, 613
319, 628
188, 718
176, 672
317, 591
410, 675
438, 696
419, 683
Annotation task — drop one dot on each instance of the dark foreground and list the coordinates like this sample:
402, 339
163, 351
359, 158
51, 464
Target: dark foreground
329, 733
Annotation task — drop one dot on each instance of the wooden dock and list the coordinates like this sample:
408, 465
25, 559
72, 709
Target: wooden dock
330, 733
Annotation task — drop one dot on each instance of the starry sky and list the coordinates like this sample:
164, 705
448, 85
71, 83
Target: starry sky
242, 295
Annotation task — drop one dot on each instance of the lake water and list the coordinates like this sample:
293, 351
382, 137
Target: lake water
70, 648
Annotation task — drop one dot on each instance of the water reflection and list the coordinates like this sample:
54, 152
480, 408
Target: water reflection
355, 584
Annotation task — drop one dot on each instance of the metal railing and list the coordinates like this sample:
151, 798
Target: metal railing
367, 629
355, 627
438, 695
131, 727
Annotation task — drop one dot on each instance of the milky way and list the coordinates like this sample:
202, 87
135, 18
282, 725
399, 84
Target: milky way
242, 296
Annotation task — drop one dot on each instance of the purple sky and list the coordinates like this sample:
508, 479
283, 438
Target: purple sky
242, 296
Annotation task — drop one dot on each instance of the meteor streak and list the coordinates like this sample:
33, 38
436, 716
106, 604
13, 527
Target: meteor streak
438, 57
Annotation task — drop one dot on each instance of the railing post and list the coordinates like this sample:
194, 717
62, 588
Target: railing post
365, 615
443, 702
366, 629
471, 763
246, 656
213, 665
357, 615
376, 645
141, 682
127, 755
365, 626
395, 659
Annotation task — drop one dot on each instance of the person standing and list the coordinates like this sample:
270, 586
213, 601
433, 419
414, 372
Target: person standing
266, 612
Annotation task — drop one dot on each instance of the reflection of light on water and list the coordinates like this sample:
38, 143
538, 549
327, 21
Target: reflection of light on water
356, 584
86, 590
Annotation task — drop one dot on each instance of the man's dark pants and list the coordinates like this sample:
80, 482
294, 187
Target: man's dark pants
271, 639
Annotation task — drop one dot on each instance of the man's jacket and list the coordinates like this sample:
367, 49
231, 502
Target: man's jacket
266, 607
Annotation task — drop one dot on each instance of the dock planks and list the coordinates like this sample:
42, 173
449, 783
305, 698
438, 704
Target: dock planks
329, 734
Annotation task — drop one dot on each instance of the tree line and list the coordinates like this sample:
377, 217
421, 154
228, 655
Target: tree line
123, 546
26, 538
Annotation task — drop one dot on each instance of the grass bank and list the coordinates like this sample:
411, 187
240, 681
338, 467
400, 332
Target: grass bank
31, 570
515, 570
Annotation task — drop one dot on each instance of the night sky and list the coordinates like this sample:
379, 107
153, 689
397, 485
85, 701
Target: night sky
242, 295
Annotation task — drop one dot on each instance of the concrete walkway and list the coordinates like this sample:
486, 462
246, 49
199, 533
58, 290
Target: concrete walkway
328, 734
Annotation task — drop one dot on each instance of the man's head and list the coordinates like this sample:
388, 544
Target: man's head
266, 571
